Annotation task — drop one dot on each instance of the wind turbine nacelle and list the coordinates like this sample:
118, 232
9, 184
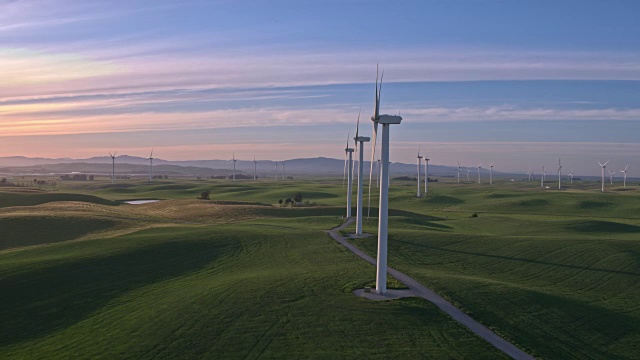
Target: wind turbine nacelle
389, 119
362, 138
348, 150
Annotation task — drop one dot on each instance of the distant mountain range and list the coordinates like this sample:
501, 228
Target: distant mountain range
132, 165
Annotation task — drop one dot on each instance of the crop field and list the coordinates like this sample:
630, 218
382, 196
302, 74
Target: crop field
83, 275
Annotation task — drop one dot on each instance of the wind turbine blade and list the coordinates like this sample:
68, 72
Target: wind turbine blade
358, 125
344, 172
151, 156
373, 154
605, 164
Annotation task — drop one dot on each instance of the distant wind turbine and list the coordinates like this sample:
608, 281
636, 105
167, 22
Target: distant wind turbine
559, 175
113, 166
234, 166
479, 167
458, 172
275, 172
571, 177
283, 175
530, 173
255, 169
611, 173
151, 166
624, 184
360, 140
603, 166
491, 174
426, 175
419, 170
468, 177
542, 177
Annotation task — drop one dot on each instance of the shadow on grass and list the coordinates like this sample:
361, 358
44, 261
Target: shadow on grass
520, 259
603, 226
38, 302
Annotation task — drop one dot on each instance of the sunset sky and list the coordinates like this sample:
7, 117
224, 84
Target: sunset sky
517, 83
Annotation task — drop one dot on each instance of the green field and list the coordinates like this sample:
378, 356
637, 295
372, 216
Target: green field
84, 276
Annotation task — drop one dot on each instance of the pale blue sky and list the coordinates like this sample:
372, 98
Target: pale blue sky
517, 83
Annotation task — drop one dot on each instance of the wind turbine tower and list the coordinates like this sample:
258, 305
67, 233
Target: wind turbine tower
255, 169
283, 175
349, 166
468, 177
419, 169
426, 175
479, 167
571, 177
113, 167
491, 174
234, 166
275, 172
383, 216
624, 184
603, 166
361, 140
542, 178
151, 166
611, 173
559, 175
458, 172
530, 173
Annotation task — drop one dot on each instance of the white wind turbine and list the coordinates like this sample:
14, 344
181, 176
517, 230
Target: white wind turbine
360, 148
113, 166
283, 175
426, 175
234, 166
419, 170
559, 175
603, 166
458, 172
479, 167
468, 177
542, 177
491, 174
383, 215
530, 173
255, 169
571, 177
624, 184
151, 166
348, 152
378, 175
275, 172
611, 173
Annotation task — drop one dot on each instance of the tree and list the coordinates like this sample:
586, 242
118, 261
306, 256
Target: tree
204, 195
298, 198
288, 201
280, 202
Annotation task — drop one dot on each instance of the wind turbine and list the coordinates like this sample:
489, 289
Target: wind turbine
530, 174
624, 184
255, 168
283, 176
479, 167
611, 176
426, 175
113, 167
571, 177
603, 166
559, 175
150, 166
361, 140
491, 174
348, 152
234, 166
458, 172
542, 177
383, 215
378, 175
419, 169
275, 172
468, 177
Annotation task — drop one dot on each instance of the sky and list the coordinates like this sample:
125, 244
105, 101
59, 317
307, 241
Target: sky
514, 83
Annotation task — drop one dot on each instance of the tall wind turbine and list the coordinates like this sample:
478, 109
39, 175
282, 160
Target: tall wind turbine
151, 166
255, 169
458, 172
542, 177
426, 175
468, 177
491, 174
571, 177
611, 173
349, 166
479, 167
383, 216
603, 166
275, 172
419, 170
624, 184
361, 140
113, 167
530, 173
234, 166
559, 174
283, 175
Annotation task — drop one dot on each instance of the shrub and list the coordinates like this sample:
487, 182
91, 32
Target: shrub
204, 195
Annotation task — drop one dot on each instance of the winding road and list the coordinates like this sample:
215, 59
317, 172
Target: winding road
424, 292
